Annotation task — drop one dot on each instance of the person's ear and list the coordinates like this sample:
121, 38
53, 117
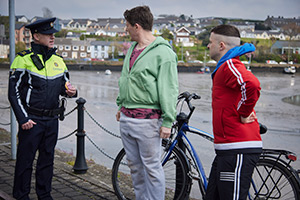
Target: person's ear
36, 36
137, 26
222, 46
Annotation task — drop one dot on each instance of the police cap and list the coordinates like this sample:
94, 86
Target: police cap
44, 26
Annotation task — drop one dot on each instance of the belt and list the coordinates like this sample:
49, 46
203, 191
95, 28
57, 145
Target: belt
44, 112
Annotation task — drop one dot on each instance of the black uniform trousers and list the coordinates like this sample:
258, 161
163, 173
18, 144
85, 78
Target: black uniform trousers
42, 138
230, 176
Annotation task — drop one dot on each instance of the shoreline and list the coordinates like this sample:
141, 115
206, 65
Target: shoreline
184, 67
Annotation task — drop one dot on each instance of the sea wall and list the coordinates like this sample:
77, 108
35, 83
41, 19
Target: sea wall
257, 67
185, 67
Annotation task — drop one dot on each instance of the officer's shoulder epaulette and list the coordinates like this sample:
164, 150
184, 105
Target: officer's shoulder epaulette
24, 52
58, 55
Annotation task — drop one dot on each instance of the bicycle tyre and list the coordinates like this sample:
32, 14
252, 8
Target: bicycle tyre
122, 183
273, 180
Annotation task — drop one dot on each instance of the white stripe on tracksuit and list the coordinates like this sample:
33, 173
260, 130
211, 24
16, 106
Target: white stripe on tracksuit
240, 81
234, 177
238, 168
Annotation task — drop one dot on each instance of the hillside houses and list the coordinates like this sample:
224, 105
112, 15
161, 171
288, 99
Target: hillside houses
243, 25
183, 28
101, 23
207, 21
263, 34
78, 24
73, 49
280, 21
88, 49
282, 47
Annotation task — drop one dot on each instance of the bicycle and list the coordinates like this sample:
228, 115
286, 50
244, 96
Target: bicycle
273, 177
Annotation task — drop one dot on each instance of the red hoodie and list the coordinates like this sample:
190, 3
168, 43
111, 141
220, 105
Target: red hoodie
234, 94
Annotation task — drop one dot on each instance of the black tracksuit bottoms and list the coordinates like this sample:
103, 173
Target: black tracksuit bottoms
230, 176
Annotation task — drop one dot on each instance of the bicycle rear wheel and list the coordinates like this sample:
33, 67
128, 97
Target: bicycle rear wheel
175, 189
272, 180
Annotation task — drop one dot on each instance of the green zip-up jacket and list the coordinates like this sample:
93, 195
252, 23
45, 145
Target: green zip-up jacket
152, 82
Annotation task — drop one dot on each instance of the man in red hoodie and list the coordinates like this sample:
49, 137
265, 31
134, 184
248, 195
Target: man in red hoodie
237, 140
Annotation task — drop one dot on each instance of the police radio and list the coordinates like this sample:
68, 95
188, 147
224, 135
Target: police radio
37, 62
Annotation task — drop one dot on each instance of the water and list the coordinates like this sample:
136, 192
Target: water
100, 92
292, 100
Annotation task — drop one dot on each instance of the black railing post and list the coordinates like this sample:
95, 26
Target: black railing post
80, 166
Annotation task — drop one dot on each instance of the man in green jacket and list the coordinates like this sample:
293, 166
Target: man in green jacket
148, 90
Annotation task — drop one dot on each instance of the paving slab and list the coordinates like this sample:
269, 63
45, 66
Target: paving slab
66, 185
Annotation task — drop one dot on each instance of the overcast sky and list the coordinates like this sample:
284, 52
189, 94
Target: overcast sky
93, 9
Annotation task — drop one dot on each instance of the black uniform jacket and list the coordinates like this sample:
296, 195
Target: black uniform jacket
37, 79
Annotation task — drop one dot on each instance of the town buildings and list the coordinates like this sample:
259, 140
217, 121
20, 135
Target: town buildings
183, 28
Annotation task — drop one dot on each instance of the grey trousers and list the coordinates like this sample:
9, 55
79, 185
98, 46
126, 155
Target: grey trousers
142, 145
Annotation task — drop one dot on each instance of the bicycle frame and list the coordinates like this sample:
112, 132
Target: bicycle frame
182, 134
182, 141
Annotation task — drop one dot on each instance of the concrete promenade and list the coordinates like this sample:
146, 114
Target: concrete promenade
95, 184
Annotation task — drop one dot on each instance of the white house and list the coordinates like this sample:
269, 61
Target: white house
21, 18
111, 32
183, 37
100, 49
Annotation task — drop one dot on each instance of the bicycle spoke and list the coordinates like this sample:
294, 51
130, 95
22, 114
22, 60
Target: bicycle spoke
272, 180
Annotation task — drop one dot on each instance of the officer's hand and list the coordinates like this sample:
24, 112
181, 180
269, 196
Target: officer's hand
165, 132
70, 89
251, 118
28, 125
71, 92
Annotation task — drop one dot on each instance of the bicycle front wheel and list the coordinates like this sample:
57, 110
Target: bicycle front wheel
176, 166
272, 180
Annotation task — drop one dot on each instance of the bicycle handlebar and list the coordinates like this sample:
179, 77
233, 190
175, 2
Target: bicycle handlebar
187, 98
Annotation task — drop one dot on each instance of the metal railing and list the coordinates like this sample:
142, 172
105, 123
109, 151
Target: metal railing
80, 165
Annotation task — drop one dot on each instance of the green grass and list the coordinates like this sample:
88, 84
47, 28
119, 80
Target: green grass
259, 42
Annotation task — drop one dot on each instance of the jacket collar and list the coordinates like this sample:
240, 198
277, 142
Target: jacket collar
234, 52
43, 50
158, 41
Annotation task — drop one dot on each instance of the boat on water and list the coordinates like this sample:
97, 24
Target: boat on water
107, 72
204, 70
289, 70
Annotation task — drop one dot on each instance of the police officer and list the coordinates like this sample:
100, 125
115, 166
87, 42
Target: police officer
38, 77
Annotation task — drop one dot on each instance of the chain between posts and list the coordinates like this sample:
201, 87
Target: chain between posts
102, 127
64, 137
104, 153
72, 133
